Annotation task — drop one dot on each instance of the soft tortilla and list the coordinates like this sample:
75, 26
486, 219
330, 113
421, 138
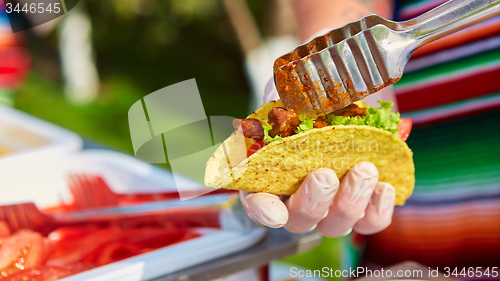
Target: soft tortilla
281, 166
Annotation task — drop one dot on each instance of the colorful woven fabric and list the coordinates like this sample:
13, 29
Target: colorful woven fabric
453, 217
451, 90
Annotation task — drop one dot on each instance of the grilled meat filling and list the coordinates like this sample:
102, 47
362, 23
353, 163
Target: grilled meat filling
251, 127
284, 122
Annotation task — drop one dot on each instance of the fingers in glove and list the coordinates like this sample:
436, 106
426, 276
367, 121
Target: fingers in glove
378, 214
351, 201
264, 208
310, 203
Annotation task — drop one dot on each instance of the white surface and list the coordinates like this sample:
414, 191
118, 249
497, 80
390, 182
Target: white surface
31, 139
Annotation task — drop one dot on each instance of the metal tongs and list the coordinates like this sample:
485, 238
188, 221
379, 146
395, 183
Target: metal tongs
347, 64
28, 216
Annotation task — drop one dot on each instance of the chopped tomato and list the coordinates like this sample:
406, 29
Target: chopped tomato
41, 273
255, 147
404, 128
24, 249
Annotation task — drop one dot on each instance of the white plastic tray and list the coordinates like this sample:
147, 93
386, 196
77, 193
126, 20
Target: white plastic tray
126, 174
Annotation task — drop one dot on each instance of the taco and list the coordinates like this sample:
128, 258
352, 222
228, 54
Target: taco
273, 150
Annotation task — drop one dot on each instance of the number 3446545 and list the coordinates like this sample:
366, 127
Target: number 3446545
33, 8
471, 272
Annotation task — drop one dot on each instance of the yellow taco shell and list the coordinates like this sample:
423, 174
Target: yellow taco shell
281, 166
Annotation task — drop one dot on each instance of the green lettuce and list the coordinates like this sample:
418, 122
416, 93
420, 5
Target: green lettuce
305, 125
267, 137
381, 117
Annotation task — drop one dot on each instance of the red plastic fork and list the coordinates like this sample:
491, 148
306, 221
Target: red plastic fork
92, 192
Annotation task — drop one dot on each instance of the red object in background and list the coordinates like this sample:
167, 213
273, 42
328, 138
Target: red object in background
404, 128
264, 272
473, 84
14, 66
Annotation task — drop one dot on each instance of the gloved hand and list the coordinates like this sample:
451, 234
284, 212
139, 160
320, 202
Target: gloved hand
335, 208
359, 202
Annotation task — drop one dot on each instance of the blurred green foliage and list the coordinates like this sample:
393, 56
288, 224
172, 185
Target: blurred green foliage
140, 47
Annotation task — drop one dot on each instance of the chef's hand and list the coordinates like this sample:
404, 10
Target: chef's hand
334, 208
359, 202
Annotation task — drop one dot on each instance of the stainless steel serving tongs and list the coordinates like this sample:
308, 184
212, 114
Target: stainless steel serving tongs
347, 64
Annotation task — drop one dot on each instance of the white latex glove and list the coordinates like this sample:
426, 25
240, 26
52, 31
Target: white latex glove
335, 208
359, 202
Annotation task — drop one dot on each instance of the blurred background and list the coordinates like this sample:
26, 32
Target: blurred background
84, 70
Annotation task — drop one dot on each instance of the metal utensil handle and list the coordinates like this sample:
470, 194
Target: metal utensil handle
199, 202
451, 17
